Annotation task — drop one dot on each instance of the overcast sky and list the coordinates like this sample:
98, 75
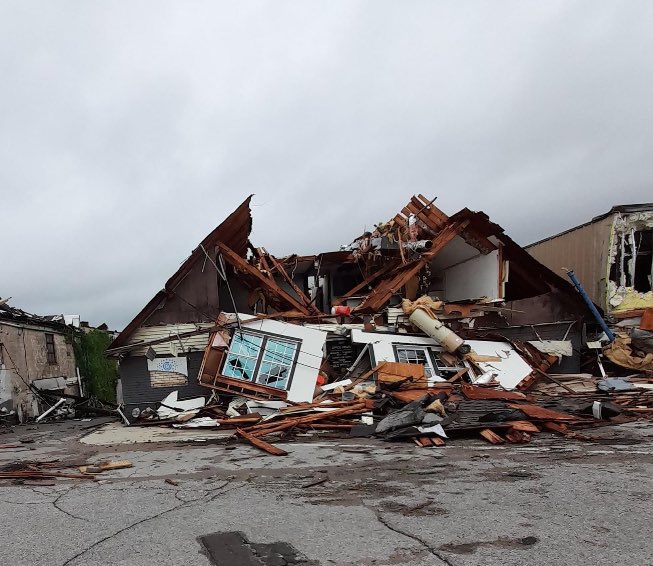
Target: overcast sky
129, 130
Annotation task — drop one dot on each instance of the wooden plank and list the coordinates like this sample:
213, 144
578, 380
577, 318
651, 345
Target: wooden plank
239, 263
430, 207
437, 441
523, 426
105, 467
246, 389
491, 436
458, 375
261, 444
286, 423
411, 209
251, 418
542, 413
475, 393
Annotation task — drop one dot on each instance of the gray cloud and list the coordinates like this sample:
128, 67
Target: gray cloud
130, 130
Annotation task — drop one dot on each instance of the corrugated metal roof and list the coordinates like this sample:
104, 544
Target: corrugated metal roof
195, 343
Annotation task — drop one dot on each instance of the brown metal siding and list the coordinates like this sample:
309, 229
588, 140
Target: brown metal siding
585, 250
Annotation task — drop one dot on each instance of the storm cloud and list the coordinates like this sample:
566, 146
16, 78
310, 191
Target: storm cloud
130, 129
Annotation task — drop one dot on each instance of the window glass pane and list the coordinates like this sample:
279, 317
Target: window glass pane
245, 344
243, 355
277, 363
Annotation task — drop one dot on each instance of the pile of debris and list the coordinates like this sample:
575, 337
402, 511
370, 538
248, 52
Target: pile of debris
428, 328
503, 394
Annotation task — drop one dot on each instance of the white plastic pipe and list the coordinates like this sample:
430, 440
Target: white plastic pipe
57, 404
448, 339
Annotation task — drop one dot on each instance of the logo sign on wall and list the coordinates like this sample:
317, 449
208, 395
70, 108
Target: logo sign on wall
169, 365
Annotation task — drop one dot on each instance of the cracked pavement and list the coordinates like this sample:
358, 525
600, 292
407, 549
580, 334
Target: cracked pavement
553, 501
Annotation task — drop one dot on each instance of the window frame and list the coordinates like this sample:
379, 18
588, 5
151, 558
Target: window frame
432, 357
266, 337
51, 354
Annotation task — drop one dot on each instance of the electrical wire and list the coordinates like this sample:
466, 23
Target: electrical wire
222, 272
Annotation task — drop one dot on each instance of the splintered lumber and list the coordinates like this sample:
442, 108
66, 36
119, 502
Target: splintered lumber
523, 426
517, 437
491, 437
261, 444
105, 467
458, 375
475, 393
33, 475
554, 380
366, 282
557, 427
286, 423
251, 418
537, 412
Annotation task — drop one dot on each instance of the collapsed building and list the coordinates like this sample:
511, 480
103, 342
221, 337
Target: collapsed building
36, 354
237, 320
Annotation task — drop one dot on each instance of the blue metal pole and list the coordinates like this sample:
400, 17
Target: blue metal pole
591, 306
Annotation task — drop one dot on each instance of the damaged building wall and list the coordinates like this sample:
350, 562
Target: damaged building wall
175, 367
33, 353
612, 257
139, 392
583, 249
631, 262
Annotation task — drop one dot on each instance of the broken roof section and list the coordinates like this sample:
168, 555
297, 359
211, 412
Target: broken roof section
19, 316
421, 251
194, 299
421, 236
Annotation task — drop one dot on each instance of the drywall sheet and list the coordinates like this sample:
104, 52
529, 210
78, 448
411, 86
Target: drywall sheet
476, 277
512, 368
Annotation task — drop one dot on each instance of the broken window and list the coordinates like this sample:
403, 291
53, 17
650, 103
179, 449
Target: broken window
633, 264
415, 355
429, 358
263, 359
49, 348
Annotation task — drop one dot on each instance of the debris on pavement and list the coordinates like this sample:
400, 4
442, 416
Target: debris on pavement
100, 467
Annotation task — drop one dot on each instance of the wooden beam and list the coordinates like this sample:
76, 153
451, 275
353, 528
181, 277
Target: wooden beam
261, 444
387, 287
239, 263
367, 281
302, 296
